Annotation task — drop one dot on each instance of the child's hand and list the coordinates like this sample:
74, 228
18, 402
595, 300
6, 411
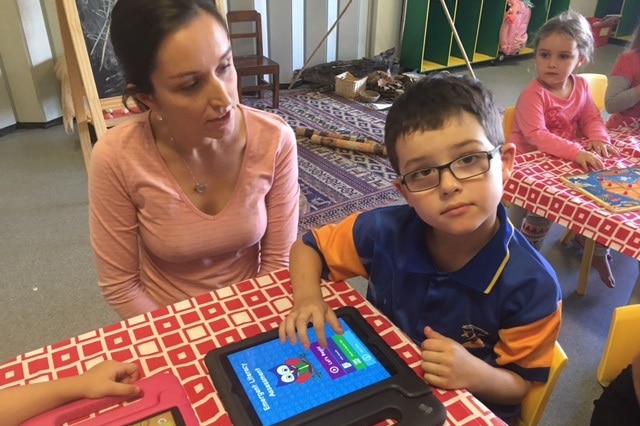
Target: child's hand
446, 363
109, 378
603, 149
589, 161
316, 311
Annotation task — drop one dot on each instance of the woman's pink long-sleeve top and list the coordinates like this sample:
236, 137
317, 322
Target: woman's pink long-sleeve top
544, 122
153, 247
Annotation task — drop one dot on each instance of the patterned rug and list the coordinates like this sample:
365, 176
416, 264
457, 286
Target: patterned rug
336, 182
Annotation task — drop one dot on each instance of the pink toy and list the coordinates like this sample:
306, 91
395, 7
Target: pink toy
164, 401
513, 32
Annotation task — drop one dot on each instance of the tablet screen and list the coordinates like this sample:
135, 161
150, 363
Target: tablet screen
284, 380
169, 417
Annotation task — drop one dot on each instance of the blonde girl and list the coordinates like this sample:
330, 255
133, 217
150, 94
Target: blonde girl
555, 108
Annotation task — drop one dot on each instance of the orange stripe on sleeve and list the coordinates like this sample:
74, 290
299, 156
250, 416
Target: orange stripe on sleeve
339, 250
531, 345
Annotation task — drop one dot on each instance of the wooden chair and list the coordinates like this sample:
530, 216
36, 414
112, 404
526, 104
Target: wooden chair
622, 343
597, 87
253, 65
535, 402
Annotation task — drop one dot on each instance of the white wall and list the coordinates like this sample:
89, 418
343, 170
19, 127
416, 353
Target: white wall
30, 41
28, 61
385, 25
53, 28
294, 30
584, 7
7, 117
353, 26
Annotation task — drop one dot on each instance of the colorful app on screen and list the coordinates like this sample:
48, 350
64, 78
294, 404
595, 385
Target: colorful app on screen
284, 380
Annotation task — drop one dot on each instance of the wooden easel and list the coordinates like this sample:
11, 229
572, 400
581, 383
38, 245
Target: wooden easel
86, 102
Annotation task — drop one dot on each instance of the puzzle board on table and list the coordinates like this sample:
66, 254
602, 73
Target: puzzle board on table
618, 190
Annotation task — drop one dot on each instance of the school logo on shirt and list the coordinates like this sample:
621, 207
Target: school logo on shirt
473, 336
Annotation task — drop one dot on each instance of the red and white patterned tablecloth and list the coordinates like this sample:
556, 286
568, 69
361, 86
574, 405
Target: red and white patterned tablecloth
535, 185
176, 338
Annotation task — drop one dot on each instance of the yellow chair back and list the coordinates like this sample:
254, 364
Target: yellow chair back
622, 343
597, 87
507, 121
535, 402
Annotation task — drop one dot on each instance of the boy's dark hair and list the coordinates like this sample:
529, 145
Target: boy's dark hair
432, 102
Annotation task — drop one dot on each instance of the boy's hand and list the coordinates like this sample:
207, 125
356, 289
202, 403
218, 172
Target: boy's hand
446, 363
589, 161
603, 149
110, 378
314, 311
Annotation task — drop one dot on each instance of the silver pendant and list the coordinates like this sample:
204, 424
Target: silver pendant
200, 188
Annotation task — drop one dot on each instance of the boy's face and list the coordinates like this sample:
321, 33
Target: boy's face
457, 207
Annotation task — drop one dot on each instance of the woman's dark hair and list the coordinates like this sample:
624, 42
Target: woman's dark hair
138, 27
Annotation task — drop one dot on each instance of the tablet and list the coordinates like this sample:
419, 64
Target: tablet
357, 379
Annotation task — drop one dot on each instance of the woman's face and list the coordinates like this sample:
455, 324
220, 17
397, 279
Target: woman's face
194, 81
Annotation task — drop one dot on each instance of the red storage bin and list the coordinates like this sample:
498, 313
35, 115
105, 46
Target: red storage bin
601, 31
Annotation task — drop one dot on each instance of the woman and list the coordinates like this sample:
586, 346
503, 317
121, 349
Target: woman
199, 192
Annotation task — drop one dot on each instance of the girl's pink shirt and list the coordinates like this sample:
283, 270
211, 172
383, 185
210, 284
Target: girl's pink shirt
153, 247
544, 122
627, 66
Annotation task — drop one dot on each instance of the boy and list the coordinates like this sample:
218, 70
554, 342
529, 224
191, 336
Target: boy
447, 268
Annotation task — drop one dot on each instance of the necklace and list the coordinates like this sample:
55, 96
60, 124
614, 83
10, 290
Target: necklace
200, 187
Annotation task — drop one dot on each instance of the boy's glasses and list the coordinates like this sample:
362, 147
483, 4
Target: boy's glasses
461, 168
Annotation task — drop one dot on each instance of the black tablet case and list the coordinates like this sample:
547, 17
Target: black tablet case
404, 397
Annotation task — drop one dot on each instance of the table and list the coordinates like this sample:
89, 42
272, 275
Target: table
177, 337
535, 185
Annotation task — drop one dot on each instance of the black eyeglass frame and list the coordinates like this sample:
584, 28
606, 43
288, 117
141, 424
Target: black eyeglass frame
490, 155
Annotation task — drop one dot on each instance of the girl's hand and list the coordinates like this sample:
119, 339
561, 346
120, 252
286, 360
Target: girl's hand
110, 378
603, 149
589, 161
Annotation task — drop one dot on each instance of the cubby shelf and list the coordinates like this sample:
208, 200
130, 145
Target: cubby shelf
428, 43
629, 11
